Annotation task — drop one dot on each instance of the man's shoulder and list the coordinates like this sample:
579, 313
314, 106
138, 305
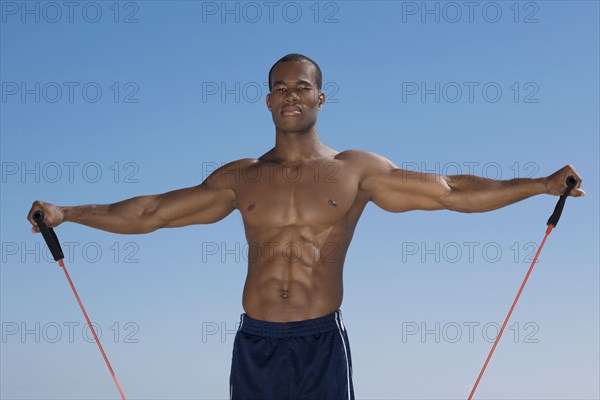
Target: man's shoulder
364, 158
229, 173
237, 164
353, 153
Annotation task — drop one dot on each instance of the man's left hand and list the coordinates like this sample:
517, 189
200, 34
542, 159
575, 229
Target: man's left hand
557, 182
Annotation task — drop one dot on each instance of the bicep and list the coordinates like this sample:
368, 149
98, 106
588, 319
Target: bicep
202, 204
397, 190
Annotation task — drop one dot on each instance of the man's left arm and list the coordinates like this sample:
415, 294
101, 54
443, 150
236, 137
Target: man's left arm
398, 190
469, 193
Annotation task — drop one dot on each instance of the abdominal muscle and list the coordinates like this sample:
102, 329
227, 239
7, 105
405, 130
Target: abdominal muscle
293, 275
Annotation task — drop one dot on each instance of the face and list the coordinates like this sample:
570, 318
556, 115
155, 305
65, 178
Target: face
294, 100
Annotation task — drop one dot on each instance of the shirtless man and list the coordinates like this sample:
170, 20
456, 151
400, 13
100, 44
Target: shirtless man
300, 203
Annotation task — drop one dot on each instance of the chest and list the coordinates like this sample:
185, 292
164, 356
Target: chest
317, 193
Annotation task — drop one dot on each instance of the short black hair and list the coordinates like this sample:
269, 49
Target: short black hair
295, 57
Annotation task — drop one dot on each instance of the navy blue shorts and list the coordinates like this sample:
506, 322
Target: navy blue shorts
292, 360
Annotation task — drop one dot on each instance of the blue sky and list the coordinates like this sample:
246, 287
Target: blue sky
103, 101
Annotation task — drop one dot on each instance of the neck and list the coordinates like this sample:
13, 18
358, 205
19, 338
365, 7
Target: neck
298, 146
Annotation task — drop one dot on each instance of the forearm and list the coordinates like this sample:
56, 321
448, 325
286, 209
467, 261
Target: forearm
128, 216
470, 193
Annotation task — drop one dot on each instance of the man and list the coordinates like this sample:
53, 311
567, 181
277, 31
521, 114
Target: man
300, 203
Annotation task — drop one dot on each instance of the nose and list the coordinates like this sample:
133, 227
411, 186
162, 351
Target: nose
291, 95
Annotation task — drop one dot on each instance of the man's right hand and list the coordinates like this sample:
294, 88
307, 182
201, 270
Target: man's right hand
53, 215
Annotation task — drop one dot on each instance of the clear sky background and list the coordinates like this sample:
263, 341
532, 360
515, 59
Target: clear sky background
103, 101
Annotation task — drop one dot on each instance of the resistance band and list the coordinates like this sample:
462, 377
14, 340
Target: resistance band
552, 222
57, 253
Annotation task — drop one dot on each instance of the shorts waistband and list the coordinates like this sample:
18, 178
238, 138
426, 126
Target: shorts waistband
292, 329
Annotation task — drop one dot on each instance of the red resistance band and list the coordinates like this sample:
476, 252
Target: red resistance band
510, 311
60, 262
552, 222
55, 249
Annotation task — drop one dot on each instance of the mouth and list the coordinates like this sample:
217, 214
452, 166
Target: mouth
291, 110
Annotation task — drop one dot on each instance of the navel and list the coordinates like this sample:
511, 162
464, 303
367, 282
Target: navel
285, 295
332, 203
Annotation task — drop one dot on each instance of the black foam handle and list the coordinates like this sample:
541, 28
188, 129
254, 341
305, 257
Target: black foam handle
49, 236
553, 220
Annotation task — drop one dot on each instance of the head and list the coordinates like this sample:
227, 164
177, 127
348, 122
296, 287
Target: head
295, 57
295, 96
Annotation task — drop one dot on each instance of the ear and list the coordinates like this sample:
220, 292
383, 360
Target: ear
321, 99
268, 101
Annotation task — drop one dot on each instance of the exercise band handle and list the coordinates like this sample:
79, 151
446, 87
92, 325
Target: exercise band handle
49, 236
553, 220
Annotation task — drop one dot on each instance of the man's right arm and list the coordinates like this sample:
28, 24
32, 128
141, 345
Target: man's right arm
206, 203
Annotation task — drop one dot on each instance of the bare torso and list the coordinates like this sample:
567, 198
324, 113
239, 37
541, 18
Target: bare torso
299, 219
